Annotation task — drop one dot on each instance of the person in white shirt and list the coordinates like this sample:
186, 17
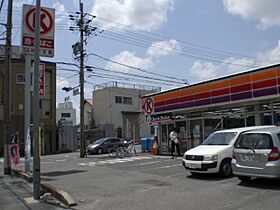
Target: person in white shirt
174, 142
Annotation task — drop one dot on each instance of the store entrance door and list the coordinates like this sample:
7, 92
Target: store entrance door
165, 143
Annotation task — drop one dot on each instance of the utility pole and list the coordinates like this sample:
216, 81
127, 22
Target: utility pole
82, 127
82, 24
7, 91
36, 109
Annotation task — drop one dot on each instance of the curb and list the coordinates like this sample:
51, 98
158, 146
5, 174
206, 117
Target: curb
59, 194
23, 175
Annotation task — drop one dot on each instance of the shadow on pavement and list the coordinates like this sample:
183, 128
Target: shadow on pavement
272, 184
208, 177
62, 173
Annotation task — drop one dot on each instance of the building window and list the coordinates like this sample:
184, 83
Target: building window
65, 114
118, 99
20, 79
127, 100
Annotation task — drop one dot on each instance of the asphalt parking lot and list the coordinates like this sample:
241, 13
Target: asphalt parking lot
149, 182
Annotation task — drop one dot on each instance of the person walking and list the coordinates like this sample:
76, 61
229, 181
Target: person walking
174, 142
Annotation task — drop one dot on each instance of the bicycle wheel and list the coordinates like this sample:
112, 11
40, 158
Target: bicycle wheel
112, 152
120, 153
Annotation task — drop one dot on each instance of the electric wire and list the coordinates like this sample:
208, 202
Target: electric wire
135, 68
128, 29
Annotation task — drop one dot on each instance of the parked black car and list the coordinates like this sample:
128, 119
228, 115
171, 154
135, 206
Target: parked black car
103, 145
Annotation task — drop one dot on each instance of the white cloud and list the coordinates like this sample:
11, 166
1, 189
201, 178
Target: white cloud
204, 70
61, 82
140, 14
19, 3
266, 12
60, 13
163, 48
129, 58
237, 64
271, 56
207, 70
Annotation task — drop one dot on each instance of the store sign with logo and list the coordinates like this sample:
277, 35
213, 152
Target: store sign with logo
47, 22
158, 118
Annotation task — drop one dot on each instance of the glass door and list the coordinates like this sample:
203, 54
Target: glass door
165, 143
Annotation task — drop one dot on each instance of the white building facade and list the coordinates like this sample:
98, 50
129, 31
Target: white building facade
65, 112
117, 109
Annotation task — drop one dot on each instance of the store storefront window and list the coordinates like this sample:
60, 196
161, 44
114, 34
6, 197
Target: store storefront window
211, 125
276, 113
266, 118
195, 133
182, 134
234, 121
250, 119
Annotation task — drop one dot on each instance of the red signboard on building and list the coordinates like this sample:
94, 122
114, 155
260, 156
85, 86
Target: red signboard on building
42, 79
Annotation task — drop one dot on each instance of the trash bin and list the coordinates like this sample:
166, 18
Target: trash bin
144, 145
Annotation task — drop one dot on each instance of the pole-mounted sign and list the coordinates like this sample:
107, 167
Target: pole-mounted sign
148, 106
47, 19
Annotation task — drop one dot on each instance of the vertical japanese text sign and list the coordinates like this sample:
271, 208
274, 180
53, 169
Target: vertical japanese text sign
47, 17
42, 79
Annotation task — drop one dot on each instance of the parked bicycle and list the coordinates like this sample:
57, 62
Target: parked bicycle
113, 151
126, 150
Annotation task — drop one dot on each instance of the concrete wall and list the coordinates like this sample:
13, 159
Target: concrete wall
101, 107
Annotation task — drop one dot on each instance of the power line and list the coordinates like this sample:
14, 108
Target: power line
183, 43
125, 77
128, 28
134, 75
184, 54
136, 68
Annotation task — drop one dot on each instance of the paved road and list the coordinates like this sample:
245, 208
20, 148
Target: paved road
147, 182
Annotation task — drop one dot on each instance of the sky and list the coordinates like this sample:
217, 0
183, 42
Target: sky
165, 43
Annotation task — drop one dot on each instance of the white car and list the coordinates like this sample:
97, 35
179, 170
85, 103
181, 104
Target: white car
215, 153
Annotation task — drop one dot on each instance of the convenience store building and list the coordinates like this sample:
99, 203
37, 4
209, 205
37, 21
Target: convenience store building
243, 99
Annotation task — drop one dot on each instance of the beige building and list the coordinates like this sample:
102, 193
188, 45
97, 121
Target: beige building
88, 114
47, 104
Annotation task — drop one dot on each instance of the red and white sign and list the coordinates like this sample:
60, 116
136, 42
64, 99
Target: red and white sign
148, 106
47, 17
42, 79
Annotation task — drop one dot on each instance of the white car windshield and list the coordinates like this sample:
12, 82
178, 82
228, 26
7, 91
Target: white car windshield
221, 138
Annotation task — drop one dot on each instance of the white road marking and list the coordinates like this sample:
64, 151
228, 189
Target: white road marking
114, 161
161, 167
52, 161
149, 163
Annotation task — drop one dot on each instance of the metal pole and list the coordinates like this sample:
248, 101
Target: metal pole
7, 91
36, 117
82, 137
27, 108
